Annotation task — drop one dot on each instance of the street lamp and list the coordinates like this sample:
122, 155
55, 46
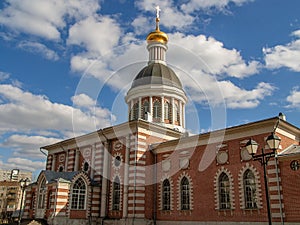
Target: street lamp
23, 185
273, 142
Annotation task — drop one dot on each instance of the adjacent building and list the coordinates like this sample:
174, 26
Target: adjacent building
150, 171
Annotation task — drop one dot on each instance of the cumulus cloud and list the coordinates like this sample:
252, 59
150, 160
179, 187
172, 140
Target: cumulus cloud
96, 34
194, 5
284, 55
22, 164
38, 48
44, 18
4, 76
294, 98
171, 15
83, 100
214, 57
27, 145
22, 111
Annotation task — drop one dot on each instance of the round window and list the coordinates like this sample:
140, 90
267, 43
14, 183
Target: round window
86, 166
117, 161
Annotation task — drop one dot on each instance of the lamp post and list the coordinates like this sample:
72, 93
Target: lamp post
23, 185
273, 142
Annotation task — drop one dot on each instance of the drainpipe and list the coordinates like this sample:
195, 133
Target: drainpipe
43, 152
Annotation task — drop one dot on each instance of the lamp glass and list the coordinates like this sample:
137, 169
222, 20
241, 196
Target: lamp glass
251, 147
273, 141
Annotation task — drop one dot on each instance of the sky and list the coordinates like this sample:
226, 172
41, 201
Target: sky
66, 65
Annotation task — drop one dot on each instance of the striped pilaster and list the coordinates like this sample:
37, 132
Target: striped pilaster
275, 190
95, 206
49, 162
71, 161
98, 165
61, 198
137, 177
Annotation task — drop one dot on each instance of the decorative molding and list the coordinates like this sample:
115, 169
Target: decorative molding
216, 188
257, 183
160, 197
191, 188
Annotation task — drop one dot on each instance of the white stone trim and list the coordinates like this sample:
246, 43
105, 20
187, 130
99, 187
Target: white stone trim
191, 188
257, 183
216, 187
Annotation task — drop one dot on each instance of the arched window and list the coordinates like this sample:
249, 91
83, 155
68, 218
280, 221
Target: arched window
166, 195
156, 109
135, 111
78, 194
224, 191
185, 194
116, 194
167, 110
42, 193
249, 190
145, 108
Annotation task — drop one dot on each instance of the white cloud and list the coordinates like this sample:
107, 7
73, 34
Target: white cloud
4, 76
27, 145
294, 98
194, 5
23, 111
83, 100
96, 34
38, 48
211, 54
45, 18
170, 15
284, 55
22, 164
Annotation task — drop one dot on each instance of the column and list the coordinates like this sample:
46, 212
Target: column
180, 113
130, 110
66, 160
140, 108
183, 115
104, 181
173, 110
162, 109
151, 106
53, 162
93, 161
76, 160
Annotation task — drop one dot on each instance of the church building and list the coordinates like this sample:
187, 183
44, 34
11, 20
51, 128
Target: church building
150, 171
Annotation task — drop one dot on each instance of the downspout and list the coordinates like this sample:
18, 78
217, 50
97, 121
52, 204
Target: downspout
43, 152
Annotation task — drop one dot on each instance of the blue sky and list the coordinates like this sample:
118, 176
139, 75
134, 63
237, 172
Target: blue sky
66, 65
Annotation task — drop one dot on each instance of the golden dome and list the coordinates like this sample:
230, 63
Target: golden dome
157, 35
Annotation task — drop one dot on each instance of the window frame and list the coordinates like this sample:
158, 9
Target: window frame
185, 194
224, 192
249, 186
78, 197
116, 198
166, 195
